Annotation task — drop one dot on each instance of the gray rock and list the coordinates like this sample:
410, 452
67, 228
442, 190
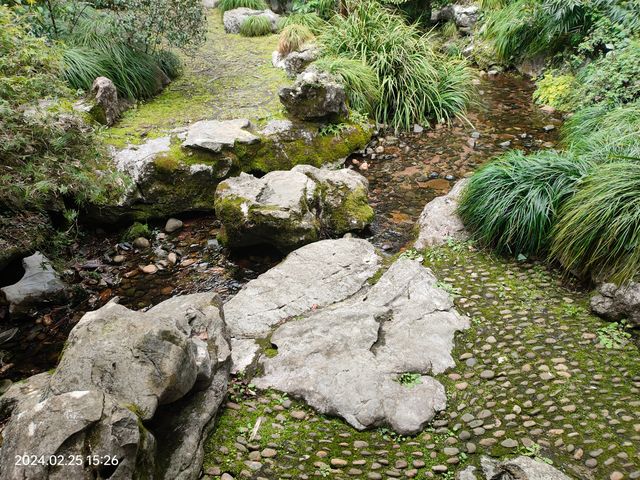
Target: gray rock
464, 16
316, 275
172, 225
345, 359
168, 366
141, 358
520, 468
214, 135
439, 221
468, 473
40, 283
617, 303
295, 62
288, 209
232, 19
107, 107
75, 423
315, 95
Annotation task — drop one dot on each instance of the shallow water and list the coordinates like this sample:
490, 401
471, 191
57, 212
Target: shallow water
416, 167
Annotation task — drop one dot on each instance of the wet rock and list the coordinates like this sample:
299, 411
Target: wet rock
39, 284
288, 209
295, 62
520, 468
616, 303
232, 19
214, 135
314, 96
345, 359
172, 225
439, 221
141, 243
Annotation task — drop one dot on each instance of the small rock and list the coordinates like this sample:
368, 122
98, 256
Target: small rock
172, 225
141, 243
118, 259
548, 128
298, 414
172, 258
149, 269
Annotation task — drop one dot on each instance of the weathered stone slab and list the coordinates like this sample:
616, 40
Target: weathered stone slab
214, 135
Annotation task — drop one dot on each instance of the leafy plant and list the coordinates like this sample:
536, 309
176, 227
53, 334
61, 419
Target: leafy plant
417, 84
225, 5
323, 8
360, 81
511, 203
598, 229
293, 37
332, 129
255, 26
408, 379
137, 230
614, 335
555, 90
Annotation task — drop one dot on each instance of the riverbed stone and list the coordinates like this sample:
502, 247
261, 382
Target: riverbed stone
439, 221
288, 209
39, 284
615, 303
345, 359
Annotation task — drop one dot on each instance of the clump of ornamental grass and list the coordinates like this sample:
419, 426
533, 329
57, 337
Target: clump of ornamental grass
293, 37
225, 5
312, 21
597, 233
511, 204
255, 26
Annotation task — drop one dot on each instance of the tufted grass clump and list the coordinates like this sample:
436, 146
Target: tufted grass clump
418, 85
293, 37
598, 230
255, 26
312, 21
360, 81
511, 204
226, 5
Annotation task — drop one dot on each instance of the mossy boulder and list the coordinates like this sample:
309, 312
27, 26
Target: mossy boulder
288, 209
179, 172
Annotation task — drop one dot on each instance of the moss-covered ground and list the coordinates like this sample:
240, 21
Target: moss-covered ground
536, 374
230, 76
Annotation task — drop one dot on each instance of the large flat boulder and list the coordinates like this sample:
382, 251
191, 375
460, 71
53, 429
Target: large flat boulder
520, 468
348, 359
144, 386
39, 284
288, 209
439, 221
313, 276
214, 135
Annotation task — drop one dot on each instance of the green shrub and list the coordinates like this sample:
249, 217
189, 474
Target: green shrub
511, 203
225, 5
255, 26
359, 80
169, 63
293, 37
613, 79
598, 229
310, 20
417, 84
555, 90
323, 8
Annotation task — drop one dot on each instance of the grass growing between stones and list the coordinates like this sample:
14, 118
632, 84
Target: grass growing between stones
532, 378
229, 77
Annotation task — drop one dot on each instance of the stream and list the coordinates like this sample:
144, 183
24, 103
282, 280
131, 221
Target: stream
404, 172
